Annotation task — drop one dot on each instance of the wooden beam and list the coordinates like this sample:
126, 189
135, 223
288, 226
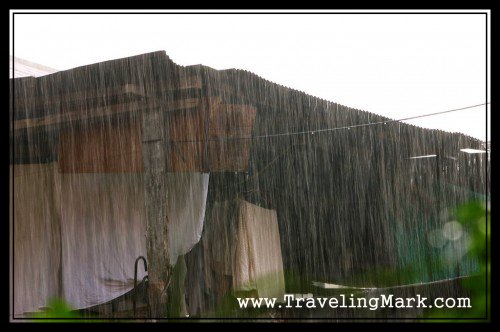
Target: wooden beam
129, 89
183, 83
87, 114
65, 98
155, 190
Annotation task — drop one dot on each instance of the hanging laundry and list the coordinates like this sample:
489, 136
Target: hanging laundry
103, 230
243, 242
186, 202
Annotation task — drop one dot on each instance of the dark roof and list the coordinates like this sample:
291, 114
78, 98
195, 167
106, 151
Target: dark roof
84, 93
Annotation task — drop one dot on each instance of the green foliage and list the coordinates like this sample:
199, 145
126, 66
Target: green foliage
476, 218
58, 311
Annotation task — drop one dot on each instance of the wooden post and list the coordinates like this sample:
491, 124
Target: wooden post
155, 190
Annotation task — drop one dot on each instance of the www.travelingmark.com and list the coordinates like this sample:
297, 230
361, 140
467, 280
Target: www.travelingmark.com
343, 301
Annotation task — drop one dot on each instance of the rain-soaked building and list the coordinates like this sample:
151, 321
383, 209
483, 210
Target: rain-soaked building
226, 184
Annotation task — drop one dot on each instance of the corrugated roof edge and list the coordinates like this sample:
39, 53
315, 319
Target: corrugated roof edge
158, 55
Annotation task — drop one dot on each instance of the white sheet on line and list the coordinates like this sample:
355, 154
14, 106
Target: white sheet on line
102, 232
243, 241
259, 263
186, 211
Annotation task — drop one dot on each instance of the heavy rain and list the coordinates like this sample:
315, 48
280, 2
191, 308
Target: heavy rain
145, 189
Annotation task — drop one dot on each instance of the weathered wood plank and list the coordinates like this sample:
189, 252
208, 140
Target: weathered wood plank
102, 148
155, 190
87, 114
116, 146
183, 82
65, 98
201, 139
133, 90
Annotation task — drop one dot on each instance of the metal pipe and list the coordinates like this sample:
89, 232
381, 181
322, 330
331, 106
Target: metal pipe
135, 280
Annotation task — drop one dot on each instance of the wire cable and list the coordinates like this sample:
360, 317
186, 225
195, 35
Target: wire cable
329, 129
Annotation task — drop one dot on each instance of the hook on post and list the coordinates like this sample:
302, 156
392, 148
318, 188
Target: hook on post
145, 280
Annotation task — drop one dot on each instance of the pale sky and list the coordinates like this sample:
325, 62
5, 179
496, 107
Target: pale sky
394, 65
